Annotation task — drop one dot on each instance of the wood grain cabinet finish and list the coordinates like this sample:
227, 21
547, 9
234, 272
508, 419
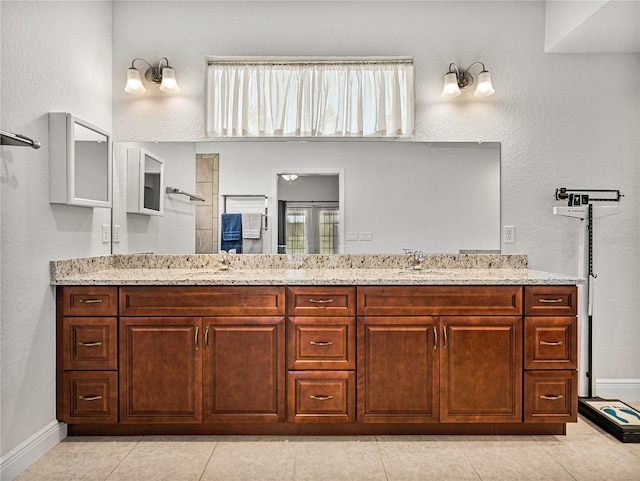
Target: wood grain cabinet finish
481, 369
295, 360
551, 342
439, 300
90, 397
551, 395
160, 370
321, 354
321, 396
87, 355
321, 343
202, 301
550, 300
398, 370
90, 343
244, 370
453, 369
89, 301
551, 354
320, 301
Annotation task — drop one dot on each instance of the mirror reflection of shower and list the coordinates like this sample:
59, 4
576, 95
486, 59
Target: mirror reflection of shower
308, 214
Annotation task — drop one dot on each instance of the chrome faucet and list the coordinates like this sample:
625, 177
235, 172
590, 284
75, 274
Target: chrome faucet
223, 262
418, 259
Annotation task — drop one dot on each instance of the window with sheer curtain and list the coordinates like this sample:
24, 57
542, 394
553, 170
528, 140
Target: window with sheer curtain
310, 98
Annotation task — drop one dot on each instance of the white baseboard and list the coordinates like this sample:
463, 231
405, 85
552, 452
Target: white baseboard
623, 389
27, 453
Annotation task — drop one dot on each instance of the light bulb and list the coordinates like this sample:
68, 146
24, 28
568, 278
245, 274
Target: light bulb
451, 88
484, 88
169, 83
134, 82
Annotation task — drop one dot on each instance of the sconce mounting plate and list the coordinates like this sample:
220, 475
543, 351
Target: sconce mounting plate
465, 80
153, 75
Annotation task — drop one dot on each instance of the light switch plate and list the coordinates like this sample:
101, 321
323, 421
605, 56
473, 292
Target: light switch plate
106, 233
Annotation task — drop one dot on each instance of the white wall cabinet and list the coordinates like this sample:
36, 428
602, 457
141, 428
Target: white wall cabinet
80, 162
145, 182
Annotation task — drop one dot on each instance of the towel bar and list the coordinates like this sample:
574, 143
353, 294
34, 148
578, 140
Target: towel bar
175, 190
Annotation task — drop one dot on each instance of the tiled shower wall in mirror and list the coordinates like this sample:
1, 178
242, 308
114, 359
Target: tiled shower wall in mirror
207, 170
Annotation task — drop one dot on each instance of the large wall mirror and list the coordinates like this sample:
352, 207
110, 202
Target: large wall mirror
380, 196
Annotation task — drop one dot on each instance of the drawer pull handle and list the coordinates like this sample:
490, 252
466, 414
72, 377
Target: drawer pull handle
550, 301
90, 301
546, 343
321, 343
321, 301
206, 338
90, 344
90, 398
196, 338
551, 398
322, 398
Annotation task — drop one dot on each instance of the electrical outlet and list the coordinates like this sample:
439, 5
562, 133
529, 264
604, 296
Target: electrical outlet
509, 234
106, 234
365, 236
116, 234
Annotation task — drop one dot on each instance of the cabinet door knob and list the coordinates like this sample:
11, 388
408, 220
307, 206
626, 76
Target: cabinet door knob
321, 343
90, 344
547, 343
551, 398
321, 398
90, 398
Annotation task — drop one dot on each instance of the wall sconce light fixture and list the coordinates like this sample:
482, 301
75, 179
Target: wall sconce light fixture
163, 75
462, 79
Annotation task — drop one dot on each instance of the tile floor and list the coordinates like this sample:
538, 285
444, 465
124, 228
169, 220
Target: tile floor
585, 453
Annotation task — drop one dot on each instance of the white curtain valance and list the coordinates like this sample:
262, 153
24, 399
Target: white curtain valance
310, 99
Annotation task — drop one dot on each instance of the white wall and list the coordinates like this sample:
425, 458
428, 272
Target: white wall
56, 56
562, 119
172, 233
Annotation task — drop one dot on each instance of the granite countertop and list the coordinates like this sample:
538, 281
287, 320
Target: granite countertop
470, 269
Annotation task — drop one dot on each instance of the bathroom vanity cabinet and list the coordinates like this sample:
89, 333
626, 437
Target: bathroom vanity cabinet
281, 359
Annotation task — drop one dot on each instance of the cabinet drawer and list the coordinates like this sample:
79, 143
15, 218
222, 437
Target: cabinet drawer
550, 396
88, 301
90, 397
90, 343
551, 300
321, 301
202, 301
321, 396
550, 343
321, 343
439, 300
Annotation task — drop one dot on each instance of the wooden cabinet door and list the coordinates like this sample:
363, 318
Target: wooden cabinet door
160, 370
397, 370
244, 373
481, 369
